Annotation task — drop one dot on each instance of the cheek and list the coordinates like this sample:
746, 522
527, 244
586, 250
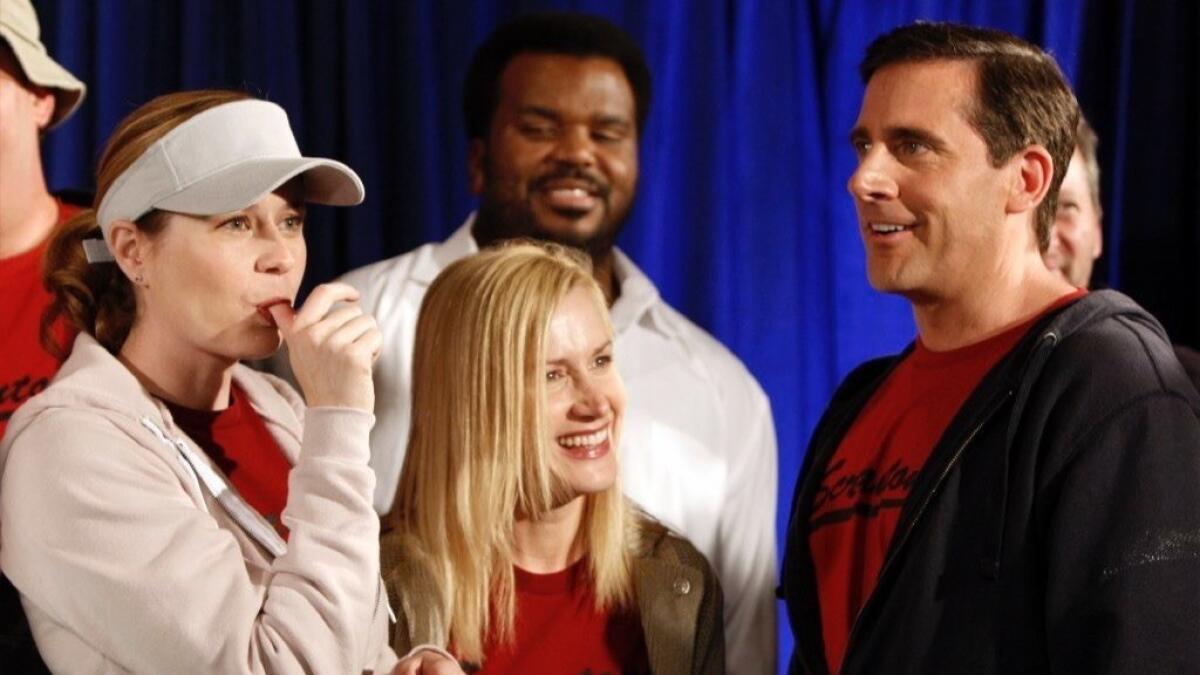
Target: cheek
616, 395
556, 408
512, 155
300, 255
1067, 228
622, 169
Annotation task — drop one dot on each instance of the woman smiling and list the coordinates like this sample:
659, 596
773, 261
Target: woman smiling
511, 543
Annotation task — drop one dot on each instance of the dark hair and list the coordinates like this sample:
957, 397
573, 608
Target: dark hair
571, 34
99, 299
1023, 98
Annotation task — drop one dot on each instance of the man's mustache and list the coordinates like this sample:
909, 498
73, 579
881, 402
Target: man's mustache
595, 184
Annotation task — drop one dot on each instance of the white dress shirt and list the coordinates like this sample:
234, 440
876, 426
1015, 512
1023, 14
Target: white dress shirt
698, 443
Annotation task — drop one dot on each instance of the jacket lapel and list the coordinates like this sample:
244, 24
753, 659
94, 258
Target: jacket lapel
668, 596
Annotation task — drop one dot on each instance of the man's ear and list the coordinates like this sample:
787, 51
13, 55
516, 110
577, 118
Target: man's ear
1033, 173
44, 103
476, 163
129, 248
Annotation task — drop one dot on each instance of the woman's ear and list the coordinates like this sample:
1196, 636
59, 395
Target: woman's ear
129, 248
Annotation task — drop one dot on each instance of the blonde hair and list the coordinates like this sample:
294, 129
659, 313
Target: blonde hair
98, 299
476, 455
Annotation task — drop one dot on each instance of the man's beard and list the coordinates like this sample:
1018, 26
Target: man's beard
502, 216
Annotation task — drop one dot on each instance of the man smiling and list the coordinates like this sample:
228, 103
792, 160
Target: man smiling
1020, 482
554, 106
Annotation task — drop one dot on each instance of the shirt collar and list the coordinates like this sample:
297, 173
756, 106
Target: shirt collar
639, 296
460, 245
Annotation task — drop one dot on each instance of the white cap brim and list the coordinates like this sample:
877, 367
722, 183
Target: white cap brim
235, 187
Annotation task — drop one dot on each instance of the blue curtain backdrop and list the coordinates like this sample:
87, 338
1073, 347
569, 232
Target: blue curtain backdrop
742, 216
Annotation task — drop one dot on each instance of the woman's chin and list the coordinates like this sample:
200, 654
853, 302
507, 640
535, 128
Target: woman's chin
262, 345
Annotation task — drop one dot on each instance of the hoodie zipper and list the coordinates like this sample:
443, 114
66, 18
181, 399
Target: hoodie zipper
912, 525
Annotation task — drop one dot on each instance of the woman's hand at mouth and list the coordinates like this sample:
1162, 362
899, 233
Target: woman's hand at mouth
331, 347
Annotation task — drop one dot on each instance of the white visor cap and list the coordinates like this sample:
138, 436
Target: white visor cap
223, 159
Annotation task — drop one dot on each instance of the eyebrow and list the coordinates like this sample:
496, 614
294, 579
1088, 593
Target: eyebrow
538, 111
604, 347
900, 134
599, 119
610, 119
914, 134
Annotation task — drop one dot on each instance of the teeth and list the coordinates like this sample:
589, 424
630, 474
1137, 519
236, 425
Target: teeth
886, 228
574, 192
585, 440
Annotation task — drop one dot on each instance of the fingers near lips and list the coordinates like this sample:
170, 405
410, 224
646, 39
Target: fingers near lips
322, 299
279, 313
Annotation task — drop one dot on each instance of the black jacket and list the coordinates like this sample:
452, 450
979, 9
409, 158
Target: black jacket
1055, 526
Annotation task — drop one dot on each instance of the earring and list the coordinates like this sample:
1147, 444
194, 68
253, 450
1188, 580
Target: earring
138, 280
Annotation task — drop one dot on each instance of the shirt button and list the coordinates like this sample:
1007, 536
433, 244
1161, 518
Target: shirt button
682, 587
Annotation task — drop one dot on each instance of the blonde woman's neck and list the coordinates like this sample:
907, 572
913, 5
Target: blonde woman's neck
552, 542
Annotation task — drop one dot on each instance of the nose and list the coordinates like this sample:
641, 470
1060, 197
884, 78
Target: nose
276, 256
590, 401
575, 146
872, 180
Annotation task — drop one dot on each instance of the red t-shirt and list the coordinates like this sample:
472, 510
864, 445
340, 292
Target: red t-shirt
25, 367
238, 442
868, 479
558, 630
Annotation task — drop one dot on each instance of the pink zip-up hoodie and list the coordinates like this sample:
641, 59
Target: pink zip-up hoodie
126, 562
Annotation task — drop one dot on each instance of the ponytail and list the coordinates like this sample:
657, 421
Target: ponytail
96, 299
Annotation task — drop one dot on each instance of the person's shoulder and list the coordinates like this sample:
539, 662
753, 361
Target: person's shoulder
865, 375
400, 550
373, 279
405, 565
411, 579
659, 542
67, 411
1190, 359
99, 448
384, 270
1110, 345
725, 366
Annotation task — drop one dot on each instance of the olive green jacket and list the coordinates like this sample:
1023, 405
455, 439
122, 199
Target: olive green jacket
678, 595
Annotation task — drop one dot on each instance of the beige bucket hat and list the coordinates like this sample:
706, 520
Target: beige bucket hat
20, 29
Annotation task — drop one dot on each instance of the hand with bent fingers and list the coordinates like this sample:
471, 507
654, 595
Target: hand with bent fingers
427, 662
331, 350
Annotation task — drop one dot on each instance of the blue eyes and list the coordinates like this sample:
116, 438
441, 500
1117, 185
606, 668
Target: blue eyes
600, 362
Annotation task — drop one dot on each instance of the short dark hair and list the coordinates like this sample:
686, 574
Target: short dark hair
567, 33
1022, 98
